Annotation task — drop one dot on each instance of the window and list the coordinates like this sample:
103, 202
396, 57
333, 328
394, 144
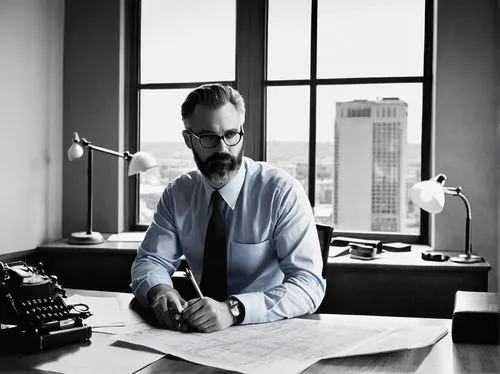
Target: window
323, 122
169, 67
344, 104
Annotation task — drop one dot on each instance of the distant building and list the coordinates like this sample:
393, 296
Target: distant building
369, 187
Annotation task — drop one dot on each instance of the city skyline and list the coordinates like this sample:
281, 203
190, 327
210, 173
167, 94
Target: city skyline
161, 120
175, 158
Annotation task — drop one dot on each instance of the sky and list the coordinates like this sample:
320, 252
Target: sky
356, 38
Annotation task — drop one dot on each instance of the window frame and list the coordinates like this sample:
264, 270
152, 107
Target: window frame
252, 83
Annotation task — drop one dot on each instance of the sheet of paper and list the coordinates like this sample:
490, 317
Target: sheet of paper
336, 251
398, 338
288, 346
105, 359
135, 236
113, 330
106, 311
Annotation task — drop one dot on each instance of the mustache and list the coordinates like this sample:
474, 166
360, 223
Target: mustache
220, 157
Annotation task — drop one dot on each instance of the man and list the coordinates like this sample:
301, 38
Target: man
245, 228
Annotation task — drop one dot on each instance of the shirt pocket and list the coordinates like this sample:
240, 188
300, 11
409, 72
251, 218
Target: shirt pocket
251, 259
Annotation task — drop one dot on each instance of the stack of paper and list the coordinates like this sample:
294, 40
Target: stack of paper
135, 236
106, 311
287, 346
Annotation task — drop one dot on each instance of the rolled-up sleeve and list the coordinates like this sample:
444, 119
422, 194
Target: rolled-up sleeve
159, 253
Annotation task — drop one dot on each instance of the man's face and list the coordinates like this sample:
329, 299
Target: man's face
221, 163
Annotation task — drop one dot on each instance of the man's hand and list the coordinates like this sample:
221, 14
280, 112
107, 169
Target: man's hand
168, 306
207, 315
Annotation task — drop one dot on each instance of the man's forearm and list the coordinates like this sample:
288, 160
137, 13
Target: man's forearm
146, 275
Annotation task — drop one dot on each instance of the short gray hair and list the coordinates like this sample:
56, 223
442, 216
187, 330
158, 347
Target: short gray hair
213, 95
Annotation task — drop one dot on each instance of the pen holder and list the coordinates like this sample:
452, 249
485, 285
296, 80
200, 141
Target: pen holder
341, 241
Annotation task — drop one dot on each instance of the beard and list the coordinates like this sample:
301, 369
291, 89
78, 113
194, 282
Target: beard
219, 168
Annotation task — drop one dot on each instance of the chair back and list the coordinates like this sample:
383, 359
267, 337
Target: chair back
325, 237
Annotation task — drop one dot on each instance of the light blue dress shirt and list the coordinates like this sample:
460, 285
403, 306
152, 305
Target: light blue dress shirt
274, 258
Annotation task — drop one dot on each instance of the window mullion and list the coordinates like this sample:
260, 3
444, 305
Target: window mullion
426, 156
250, 71
312, 103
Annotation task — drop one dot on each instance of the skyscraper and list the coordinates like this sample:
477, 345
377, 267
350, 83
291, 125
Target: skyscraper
369, 179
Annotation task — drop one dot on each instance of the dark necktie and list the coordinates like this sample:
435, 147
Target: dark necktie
214, 275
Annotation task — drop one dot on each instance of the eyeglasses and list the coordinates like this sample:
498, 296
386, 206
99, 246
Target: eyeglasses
230, 138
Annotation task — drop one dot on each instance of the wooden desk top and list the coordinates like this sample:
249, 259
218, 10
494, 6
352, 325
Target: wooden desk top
443, 357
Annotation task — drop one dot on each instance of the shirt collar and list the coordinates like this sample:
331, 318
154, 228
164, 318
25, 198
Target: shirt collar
230, 191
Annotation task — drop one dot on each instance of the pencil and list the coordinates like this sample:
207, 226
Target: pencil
190, 275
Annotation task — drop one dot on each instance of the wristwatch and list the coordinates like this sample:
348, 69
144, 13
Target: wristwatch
237, 310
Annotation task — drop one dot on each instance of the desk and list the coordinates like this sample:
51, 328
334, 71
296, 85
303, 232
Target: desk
444, 357
399, 284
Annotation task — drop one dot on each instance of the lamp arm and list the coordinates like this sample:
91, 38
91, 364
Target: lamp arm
85, 143
457, 191
125, 155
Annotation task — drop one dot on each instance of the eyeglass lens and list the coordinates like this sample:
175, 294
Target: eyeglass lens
210, 141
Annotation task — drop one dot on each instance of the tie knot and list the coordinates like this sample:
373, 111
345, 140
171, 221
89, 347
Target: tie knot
216, 199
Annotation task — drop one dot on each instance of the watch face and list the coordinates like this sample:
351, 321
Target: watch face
235, 311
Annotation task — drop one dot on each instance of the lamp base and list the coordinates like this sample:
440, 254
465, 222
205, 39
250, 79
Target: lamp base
467, 259
85, 238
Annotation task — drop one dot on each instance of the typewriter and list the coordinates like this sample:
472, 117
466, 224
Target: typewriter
33, 313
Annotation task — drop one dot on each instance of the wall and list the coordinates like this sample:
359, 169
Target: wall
466, 125
31, 45
93, 107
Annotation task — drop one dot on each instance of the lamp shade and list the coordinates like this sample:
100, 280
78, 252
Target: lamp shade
428, 195
75, 152
140, 162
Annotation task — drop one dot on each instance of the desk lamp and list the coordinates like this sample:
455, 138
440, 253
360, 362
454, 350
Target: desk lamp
138, 162
429, 196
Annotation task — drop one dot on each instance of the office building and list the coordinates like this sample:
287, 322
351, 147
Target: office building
369, 178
